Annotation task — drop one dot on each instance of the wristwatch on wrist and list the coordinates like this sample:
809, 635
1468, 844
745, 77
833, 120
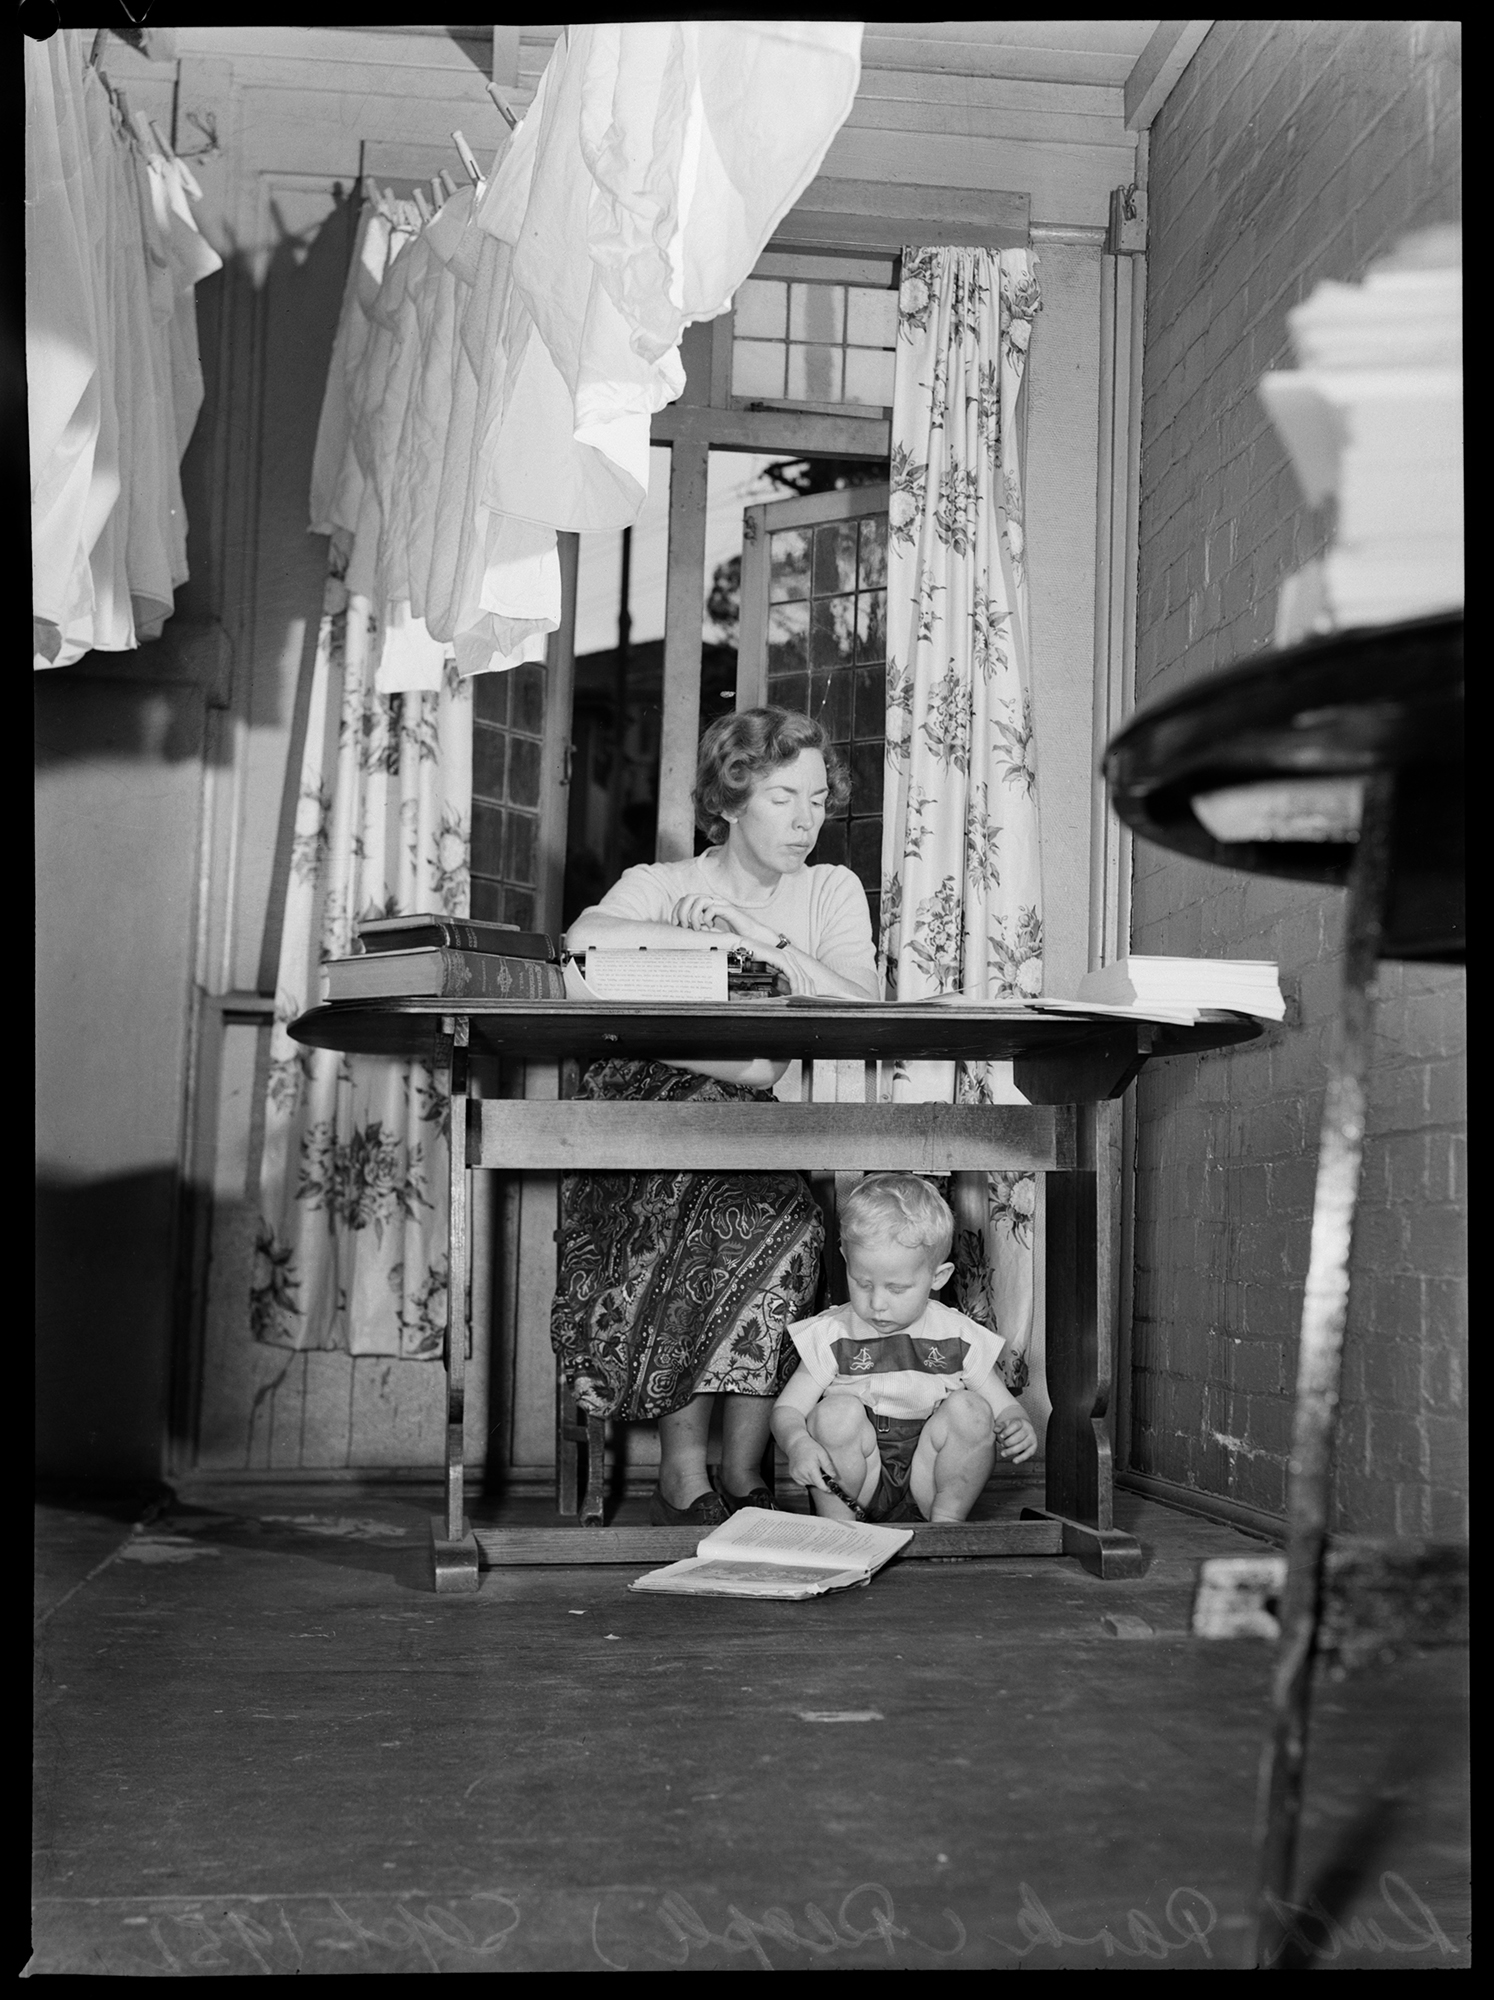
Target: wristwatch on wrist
781, 942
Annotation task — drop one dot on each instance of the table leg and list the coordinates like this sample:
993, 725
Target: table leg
1325, 1308
1076, 1333
453, 1545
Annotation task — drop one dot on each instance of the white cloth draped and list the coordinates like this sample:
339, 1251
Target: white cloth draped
113, 379
500, 385
962, 889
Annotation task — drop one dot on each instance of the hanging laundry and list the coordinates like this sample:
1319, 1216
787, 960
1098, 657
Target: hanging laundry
113, 376
498, 364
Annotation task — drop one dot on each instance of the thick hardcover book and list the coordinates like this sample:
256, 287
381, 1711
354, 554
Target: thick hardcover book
427, 931
442, 975
762, 1554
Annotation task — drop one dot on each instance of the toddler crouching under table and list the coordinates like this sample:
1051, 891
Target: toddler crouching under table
896, 1404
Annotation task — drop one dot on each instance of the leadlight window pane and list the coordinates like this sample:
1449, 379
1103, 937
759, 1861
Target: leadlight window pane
761, 310
833, 633
869, 375
817, 312
487, 839
528, 701
834, 708
871, 317
523, 772
788, 565
788, 638
834, 557
757, 368
830, 848
490, 697
522, 832
815, 374
867, 760
871, 703
871, 626
866, 852
873, 551
487, 897
789, 691
487, 754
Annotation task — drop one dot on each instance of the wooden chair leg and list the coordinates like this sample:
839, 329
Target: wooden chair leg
592, 1509
572, 1430
567, 1435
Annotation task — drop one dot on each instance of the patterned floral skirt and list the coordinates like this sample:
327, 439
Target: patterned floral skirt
672, 1285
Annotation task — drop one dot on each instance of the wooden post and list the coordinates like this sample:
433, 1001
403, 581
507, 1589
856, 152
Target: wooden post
1079, 1477
1325, 1308
453, 1546
684, 611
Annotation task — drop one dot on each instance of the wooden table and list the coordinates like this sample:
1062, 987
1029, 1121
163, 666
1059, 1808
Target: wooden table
1071, 1069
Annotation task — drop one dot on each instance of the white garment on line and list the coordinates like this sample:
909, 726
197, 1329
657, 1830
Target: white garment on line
516, 351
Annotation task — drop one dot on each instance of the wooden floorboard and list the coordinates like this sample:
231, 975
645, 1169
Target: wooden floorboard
505, 1548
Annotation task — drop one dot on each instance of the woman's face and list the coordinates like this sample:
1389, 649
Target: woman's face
775, 831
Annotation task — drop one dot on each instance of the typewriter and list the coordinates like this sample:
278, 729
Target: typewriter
749, 978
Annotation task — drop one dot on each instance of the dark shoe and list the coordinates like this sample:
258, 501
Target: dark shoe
709, 1511
760, 1496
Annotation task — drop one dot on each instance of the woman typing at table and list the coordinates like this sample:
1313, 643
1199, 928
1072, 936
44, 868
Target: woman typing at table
675, 1287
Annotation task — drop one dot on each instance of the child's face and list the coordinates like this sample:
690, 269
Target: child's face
890, 1282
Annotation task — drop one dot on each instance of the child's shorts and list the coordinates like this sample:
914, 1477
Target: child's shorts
897, 1440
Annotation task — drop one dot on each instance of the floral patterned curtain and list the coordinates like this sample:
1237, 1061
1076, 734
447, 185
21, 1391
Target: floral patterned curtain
961, 884
353, 1188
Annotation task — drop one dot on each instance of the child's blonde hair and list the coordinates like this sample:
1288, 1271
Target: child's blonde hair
902, 1206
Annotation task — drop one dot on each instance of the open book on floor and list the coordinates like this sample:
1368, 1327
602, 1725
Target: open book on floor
763, 1554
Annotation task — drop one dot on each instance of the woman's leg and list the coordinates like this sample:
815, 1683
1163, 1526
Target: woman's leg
744, 1440
682, 1452
954, 1457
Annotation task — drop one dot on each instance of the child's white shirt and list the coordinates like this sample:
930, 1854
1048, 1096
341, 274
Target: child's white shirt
906, 1374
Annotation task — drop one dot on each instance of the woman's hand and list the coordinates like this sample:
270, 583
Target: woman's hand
701, 913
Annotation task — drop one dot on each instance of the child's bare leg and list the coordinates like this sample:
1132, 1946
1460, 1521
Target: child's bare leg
954, 1457
841, 1425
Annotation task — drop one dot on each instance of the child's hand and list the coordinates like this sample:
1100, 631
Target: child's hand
1015, 1437
808, 1462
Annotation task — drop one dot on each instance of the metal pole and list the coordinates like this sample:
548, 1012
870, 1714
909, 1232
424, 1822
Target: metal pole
1319, 1362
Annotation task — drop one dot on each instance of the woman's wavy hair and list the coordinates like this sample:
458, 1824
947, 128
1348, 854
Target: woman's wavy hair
739, 750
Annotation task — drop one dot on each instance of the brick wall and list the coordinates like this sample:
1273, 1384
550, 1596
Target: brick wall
1290, 151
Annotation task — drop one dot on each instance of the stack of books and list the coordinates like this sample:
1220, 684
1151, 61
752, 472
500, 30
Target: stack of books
1181, 988
446, 958
1373, 417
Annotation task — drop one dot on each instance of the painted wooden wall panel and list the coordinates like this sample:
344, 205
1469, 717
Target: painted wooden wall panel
1062, 432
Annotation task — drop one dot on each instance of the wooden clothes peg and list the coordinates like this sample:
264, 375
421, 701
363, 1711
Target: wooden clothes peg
468, 159
448, 185
422, 205
503, 111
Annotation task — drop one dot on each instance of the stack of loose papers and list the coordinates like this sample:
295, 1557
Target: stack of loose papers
649, 973
1179, 988
1373, 417
762, 1554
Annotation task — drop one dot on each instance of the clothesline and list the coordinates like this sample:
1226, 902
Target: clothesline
113, 376
503, 346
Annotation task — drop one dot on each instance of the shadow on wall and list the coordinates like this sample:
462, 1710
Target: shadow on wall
121, 740
105, 1287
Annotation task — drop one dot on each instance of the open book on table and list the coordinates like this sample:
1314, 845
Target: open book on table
762, 1554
